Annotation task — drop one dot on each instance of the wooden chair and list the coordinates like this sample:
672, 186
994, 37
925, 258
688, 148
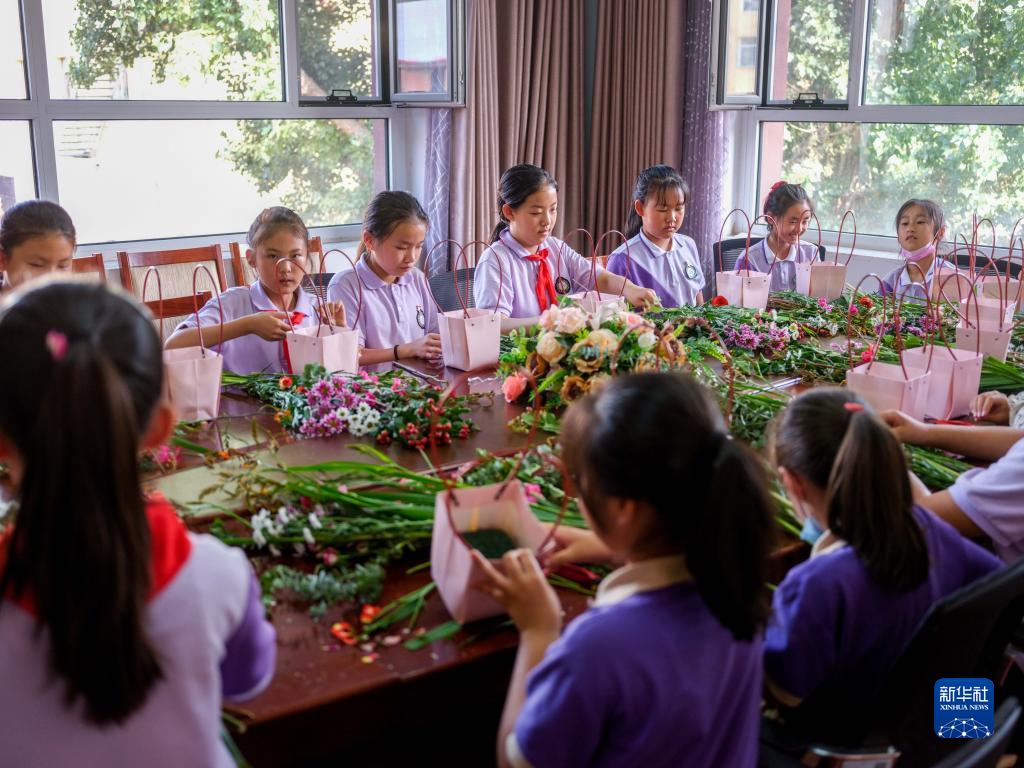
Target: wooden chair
175, 268
243, 274
90, 265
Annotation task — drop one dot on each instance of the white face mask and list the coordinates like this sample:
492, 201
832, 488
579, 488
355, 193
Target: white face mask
919, 254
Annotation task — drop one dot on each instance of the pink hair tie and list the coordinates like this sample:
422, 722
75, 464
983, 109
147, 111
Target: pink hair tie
853, 407
57, 343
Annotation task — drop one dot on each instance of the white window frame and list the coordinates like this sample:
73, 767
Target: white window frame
748, 122
41, 111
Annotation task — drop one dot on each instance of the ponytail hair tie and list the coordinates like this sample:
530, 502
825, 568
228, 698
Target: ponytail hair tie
853, 407
776, 185
57, 344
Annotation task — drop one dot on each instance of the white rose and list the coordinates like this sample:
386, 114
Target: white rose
550, 348
647, 339
570, 320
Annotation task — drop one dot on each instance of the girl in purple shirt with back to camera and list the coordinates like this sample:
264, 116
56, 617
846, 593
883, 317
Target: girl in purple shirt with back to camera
665, 668
878, 564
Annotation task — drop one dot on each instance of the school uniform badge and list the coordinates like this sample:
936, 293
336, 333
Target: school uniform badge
691, 272
562, 286
421, 318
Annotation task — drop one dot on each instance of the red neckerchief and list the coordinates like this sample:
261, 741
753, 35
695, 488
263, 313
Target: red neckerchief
296, 318
545, 287
169, 548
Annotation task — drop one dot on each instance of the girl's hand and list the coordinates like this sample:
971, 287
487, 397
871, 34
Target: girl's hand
906, 428
270, 326
335, 311
427, 348
523, 591
576, 545
640, 297
991, 406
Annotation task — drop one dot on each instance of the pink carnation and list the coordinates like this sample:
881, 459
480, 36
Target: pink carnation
513, 387
533, 492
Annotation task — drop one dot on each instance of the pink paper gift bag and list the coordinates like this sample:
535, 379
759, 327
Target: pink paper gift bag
742, 287
821, 279
470, 336
594, 301
992, 326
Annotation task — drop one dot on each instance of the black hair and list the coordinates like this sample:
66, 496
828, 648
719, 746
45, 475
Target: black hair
645, 437
931, 210
783, 196
386, 211
656, 181
517, 184
33, 218
859, 463
273, 219
80, 542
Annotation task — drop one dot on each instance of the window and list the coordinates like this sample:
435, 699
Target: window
738, 79
916, 98
422, 42
748, 52
17, 180
339, 50
12, 55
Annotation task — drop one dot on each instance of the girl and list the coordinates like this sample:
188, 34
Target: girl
671, 648
538, 268
982, 502
878, 563
121, 631
790, 210
37, 237
659, 257
398, 318
920, 225
256, 317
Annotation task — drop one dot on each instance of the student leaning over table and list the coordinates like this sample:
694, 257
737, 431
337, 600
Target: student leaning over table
257, 317
878, 564
982, 502
665, 668
526, 269
37, 238
121, 631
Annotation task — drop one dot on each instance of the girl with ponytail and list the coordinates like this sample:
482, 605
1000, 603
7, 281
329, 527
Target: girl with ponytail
120, 630
878, 561
671, 647
787, 214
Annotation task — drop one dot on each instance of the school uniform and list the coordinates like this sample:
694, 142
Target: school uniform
900, 283
388, 313
646, 677
529, 283
835, 633
250, 353
993, 499
784, 272
675, 275
206, 624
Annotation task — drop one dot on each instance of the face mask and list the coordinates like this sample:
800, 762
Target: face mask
811, 531
920, 253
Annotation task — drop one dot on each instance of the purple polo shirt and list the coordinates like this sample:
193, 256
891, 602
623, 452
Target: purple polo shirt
646, 677
519, 281
836, 633
994, 499
784, 271
392, 313
899, 281
249, 353
675, 275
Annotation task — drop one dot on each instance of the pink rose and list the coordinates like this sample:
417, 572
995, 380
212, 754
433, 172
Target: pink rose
513, 387
630, 318
570, 320
549, 318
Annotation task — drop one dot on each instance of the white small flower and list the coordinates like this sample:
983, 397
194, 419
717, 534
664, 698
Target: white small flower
275, 551
314, 521
258, 537
647, 339
308, 536
775, 314
282, 515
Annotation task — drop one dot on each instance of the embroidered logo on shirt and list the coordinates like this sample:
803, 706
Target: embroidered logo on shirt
964, 708
421, 318
691, 272
562, 286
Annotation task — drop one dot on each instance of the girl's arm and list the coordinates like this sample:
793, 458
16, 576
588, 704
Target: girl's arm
699, 299
986, 443
427, 347
270, 326
511, 323
607, 282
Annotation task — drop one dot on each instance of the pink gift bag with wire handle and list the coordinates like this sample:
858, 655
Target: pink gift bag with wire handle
470, 336
955, 373
885, 385
595, 301
1008, 288
991, 337
336, 348
192, 375
743, 288
821, 279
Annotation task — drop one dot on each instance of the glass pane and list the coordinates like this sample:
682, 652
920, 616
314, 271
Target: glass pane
422, 32
12, 55
337, 48
741, 48
17, 174
200, 51
120, 184
812, 49
872, 168
946, 52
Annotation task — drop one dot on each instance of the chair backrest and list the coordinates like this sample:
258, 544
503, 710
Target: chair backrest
317, 283
730, 251
91, 266
985, 753
442, 286
243, 275
177, 307
963, 260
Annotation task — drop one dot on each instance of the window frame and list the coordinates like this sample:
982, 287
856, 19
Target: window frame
750, 119
42, 111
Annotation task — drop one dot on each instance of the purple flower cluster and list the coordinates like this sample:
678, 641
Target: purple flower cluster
769, 342
333, 400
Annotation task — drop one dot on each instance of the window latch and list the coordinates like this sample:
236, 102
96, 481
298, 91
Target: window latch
809, 99
335, 98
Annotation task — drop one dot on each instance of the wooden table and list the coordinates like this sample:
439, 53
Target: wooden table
438, 705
